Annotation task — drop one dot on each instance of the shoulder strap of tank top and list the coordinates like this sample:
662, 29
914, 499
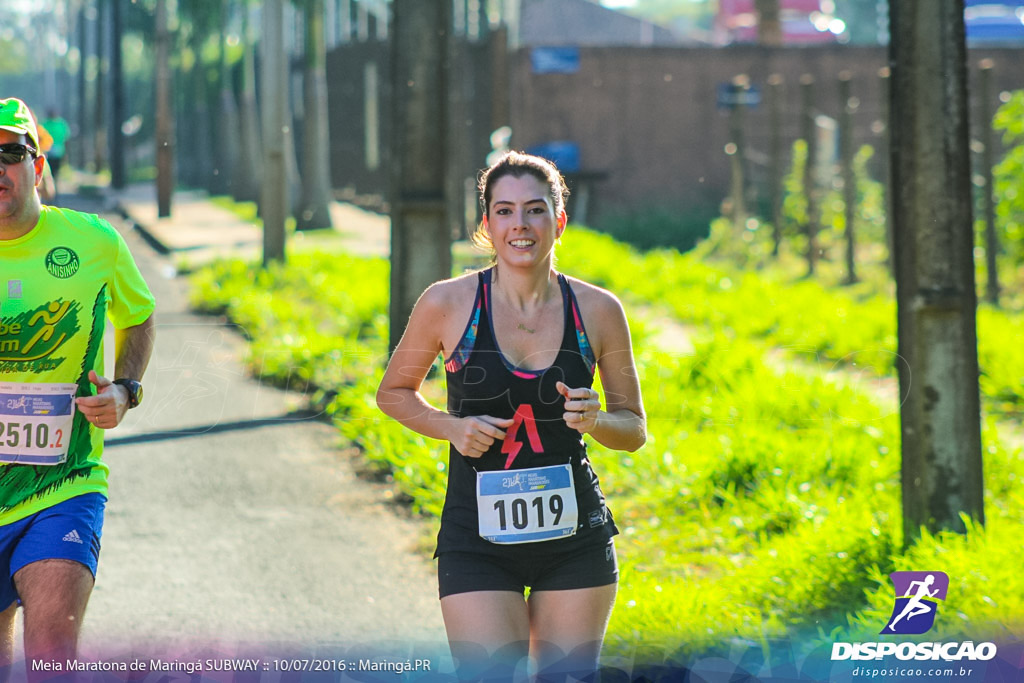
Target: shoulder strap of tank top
574, 325
467, 341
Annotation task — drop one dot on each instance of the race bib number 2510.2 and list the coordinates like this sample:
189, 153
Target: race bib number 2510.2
35, 422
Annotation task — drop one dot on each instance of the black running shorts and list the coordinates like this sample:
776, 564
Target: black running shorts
517, 567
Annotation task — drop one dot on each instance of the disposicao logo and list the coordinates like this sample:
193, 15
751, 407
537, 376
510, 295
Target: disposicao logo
913, 613
917, 601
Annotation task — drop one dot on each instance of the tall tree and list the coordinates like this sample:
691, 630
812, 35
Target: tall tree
314, 206
935, 294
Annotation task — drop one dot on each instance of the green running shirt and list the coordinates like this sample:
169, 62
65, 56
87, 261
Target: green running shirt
58, 285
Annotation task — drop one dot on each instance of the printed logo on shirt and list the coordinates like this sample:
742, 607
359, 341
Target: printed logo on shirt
29, 339
62, 262
14, 289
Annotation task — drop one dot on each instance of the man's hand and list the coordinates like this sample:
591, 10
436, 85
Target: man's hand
107, 408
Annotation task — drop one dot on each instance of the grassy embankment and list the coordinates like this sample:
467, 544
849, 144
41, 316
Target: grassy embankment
766, 502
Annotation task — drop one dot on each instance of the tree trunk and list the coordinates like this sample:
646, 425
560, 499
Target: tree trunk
118, 176
988, 198
249, 172
420, 237
274, 193
769, 28
810, 133
227, 122
164, 122
847, 106
936, 299
314, 209
775, 154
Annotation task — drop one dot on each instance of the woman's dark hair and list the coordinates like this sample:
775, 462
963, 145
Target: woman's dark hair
517, 165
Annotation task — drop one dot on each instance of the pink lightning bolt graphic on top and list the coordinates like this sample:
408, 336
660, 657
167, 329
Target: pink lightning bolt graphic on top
512, 446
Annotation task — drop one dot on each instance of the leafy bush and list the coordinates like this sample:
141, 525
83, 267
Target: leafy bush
660, 227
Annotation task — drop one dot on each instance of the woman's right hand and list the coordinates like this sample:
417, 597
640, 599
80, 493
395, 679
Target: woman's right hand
472, 436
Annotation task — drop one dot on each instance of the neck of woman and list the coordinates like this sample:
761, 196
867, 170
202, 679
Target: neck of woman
525, 290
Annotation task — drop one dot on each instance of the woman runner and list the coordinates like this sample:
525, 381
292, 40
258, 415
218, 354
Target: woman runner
523, 507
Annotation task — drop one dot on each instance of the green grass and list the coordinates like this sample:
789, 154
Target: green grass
766, 502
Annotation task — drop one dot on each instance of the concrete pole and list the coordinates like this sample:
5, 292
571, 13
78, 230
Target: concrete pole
935, 295
164, 123
420, 236
274, 195
987, 161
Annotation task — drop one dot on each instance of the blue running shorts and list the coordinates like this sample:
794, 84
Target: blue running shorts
67, 531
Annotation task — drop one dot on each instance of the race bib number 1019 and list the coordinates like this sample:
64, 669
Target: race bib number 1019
35, 422
524, 506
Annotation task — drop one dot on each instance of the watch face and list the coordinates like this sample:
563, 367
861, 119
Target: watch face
134, 391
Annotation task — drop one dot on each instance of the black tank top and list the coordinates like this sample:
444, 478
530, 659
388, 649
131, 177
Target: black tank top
481, 381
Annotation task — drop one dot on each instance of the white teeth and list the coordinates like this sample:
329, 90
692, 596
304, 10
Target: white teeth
521, 243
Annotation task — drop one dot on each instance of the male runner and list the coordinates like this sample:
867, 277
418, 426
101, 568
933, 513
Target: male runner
62, 273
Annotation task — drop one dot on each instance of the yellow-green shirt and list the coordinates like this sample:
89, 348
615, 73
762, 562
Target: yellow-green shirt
58, 285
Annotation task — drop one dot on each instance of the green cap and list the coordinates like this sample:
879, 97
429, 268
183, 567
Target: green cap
16, 117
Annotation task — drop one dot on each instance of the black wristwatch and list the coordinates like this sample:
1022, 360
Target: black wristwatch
134, 388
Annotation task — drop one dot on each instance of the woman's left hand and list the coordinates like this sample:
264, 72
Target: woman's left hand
582, 407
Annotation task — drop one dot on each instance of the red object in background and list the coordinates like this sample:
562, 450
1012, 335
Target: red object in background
736, 22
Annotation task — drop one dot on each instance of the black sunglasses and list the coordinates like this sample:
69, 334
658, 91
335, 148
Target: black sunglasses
15, 153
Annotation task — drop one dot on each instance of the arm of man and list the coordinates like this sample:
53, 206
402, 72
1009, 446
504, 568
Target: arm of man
399, 392
622, 424
133, 348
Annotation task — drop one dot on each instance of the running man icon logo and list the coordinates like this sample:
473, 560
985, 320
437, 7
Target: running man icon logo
917, 596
